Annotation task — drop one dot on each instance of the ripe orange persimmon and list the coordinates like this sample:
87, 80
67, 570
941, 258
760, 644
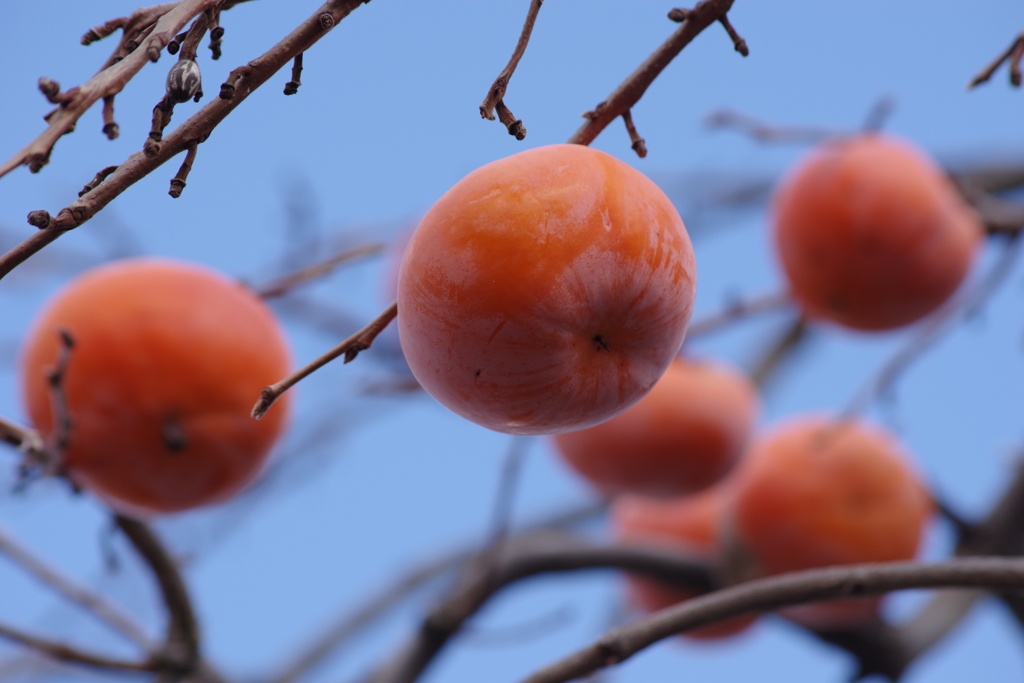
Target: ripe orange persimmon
546, 291
681, 437
871, 234
817, 492
688, 523
159, 385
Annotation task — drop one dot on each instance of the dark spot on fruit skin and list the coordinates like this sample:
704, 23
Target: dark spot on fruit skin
175, 438
602, 345
478, 372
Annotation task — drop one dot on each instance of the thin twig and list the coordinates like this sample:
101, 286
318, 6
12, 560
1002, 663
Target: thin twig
285, 284
496, 94
765, 132
65, 653
97, 179
639, 146
736, 311
82, 595
292, 86
933, 328
109, 81
1014, 53
245, 80
778, 350
773, 593
350, 348
629, 92
178, 181
355, 620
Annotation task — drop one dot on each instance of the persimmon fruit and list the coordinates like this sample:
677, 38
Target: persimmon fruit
159, 385
682, 437
871, 233
545, 292
818, 492
691, 524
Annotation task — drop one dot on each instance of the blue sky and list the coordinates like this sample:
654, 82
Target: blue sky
386, 120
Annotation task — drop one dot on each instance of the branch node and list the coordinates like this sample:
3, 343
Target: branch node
178, 181
99, 178
515, 126
638, 142
679, 14
110, 127
737, 40
327, 21
292, 86
40, 219
50, 90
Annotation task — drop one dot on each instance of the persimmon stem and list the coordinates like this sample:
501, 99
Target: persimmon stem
350, 348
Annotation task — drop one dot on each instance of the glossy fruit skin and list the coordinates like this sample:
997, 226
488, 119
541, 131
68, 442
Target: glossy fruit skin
816, 492
167, 359
546, 291
690, 524
683, 436
871, 233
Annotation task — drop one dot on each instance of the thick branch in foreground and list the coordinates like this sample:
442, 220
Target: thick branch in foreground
353, 621
350, 348
524, 557
198, 127
496, 95
629, 92
764, 595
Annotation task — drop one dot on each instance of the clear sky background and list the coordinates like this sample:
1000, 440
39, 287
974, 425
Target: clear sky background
386, 120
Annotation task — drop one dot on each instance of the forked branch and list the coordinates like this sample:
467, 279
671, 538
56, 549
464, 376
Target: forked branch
1013, 54
629, 92
496, 95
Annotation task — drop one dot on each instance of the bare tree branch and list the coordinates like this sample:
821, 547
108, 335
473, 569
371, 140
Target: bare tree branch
94, 602
285, 284
496, 94
629, 92
1014, 53
65, 653
242, 81
182, 642
109, 81
352, 622
350, 348
736, 311
763, 595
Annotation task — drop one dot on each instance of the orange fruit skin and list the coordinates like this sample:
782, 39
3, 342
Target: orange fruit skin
689, 524
159, 345
815, 492
546, 291
871, 234
683, 436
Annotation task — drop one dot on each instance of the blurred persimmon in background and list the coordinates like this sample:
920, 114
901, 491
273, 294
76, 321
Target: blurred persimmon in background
166, 359
872, 235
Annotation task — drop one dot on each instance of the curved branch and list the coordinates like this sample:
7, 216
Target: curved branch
770, 594
524, 557
64, 653
496, 94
